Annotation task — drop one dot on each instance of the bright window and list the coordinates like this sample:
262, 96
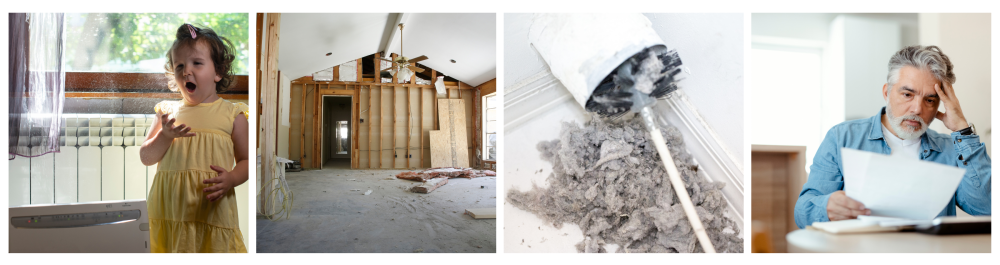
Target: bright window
490, 133
138, 42
786, 102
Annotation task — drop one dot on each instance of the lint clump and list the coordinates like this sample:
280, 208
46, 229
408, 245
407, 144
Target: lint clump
609, 181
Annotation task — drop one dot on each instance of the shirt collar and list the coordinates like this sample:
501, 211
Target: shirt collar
875, 133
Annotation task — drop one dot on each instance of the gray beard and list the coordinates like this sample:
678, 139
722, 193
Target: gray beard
905, 132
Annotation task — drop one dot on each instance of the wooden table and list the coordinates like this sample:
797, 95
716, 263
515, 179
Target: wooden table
807, 241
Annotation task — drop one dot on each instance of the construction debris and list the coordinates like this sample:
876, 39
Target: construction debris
431, 177
445, 172
482, 213
368, 192
430, 185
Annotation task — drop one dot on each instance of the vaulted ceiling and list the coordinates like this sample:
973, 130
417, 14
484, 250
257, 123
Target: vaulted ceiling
468, 39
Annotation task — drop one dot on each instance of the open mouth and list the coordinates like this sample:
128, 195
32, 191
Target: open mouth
190, 87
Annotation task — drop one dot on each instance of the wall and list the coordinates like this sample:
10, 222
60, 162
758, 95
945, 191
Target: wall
816, 26
385, 115
284, 99
294, 118
382, 136
868, 45
965, 38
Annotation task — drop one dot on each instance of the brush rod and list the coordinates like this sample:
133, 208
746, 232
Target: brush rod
675, 180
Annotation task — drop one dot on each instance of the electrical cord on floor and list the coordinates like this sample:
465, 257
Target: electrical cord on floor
281, 191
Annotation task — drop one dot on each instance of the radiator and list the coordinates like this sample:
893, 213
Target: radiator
105, 227
98, 161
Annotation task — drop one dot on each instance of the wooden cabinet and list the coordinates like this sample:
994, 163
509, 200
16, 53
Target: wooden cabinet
777, 175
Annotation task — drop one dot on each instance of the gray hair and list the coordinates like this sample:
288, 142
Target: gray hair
921, 57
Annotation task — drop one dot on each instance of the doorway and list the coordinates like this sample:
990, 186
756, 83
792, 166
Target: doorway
336, 132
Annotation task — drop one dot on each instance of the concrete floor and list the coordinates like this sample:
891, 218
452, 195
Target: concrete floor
328, 217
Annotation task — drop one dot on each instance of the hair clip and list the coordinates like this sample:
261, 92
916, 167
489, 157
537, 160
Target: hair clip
193, 34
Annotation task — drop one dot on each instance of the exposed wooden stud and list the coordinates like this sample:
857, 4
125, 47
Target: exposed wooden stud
336, 73
393, 126
317, 123
378, 67
355, 145
395, 80
302, 125
420, 102
407, 153
257, 60
370, 90
379, 126
277, 113
434, 110
359, 68
269, 71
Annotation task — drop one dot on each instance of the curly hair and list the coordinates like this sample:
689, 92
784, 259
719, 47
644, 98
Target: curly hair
223, 54
921, 57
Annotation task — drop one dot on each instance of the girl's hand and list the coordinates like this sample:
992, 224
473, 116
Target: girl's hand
168, 130
223, 183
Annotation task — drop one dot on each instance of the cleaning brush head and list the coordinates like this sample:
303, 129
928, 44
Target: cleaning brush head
648, 75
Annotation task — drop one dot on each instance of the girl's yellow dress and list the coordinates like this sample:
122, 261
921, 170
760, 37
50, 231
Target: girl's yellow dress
181, 219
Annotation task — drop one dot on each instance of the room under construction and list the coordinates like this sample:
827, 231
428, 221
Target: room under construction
365, 148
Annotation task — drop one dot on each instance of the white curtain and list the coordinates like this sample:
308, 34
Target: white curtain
37, 83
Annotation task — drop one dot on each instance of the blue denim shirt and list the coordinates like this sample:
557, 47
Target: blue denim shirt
826, 177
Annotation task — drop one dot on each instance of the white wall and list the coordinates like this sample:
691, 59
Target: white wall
868, 45
284, 99
816, 26
965, 38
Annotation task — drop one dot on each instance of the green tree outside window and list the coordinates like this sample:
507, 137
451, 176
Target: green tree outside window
138, 42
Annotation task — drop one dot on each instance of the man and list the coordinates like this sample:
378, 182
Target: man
919, 79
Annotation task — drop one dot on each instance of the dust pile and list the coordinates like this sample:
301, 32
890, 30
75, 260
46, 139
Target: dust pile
609, 180
446, 172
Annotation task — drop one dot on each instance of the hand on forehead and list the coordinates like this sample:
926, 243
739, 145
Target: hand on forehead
917, 81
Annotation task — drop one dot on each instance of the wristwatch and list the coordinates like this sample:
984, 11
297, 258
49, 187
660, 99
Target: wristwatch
968, 131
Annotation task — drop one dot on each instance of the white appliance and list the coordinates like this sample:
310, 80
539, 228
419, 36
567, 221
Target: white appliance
96, 227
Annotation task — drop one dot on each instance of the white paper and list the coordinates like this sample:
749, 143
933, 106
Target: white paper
855, 165
897, 186
893, 221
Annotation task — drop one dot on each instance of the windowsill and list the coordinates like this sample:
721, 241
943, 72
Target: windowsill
135, 85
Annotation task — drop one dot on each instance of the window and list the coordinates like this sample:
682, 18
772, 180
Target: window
344, 143
122, 55
793, 78
490, 133
138, 42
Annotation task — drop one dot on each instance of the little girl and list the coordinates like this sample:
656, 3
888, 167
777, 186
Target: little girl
192, 204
